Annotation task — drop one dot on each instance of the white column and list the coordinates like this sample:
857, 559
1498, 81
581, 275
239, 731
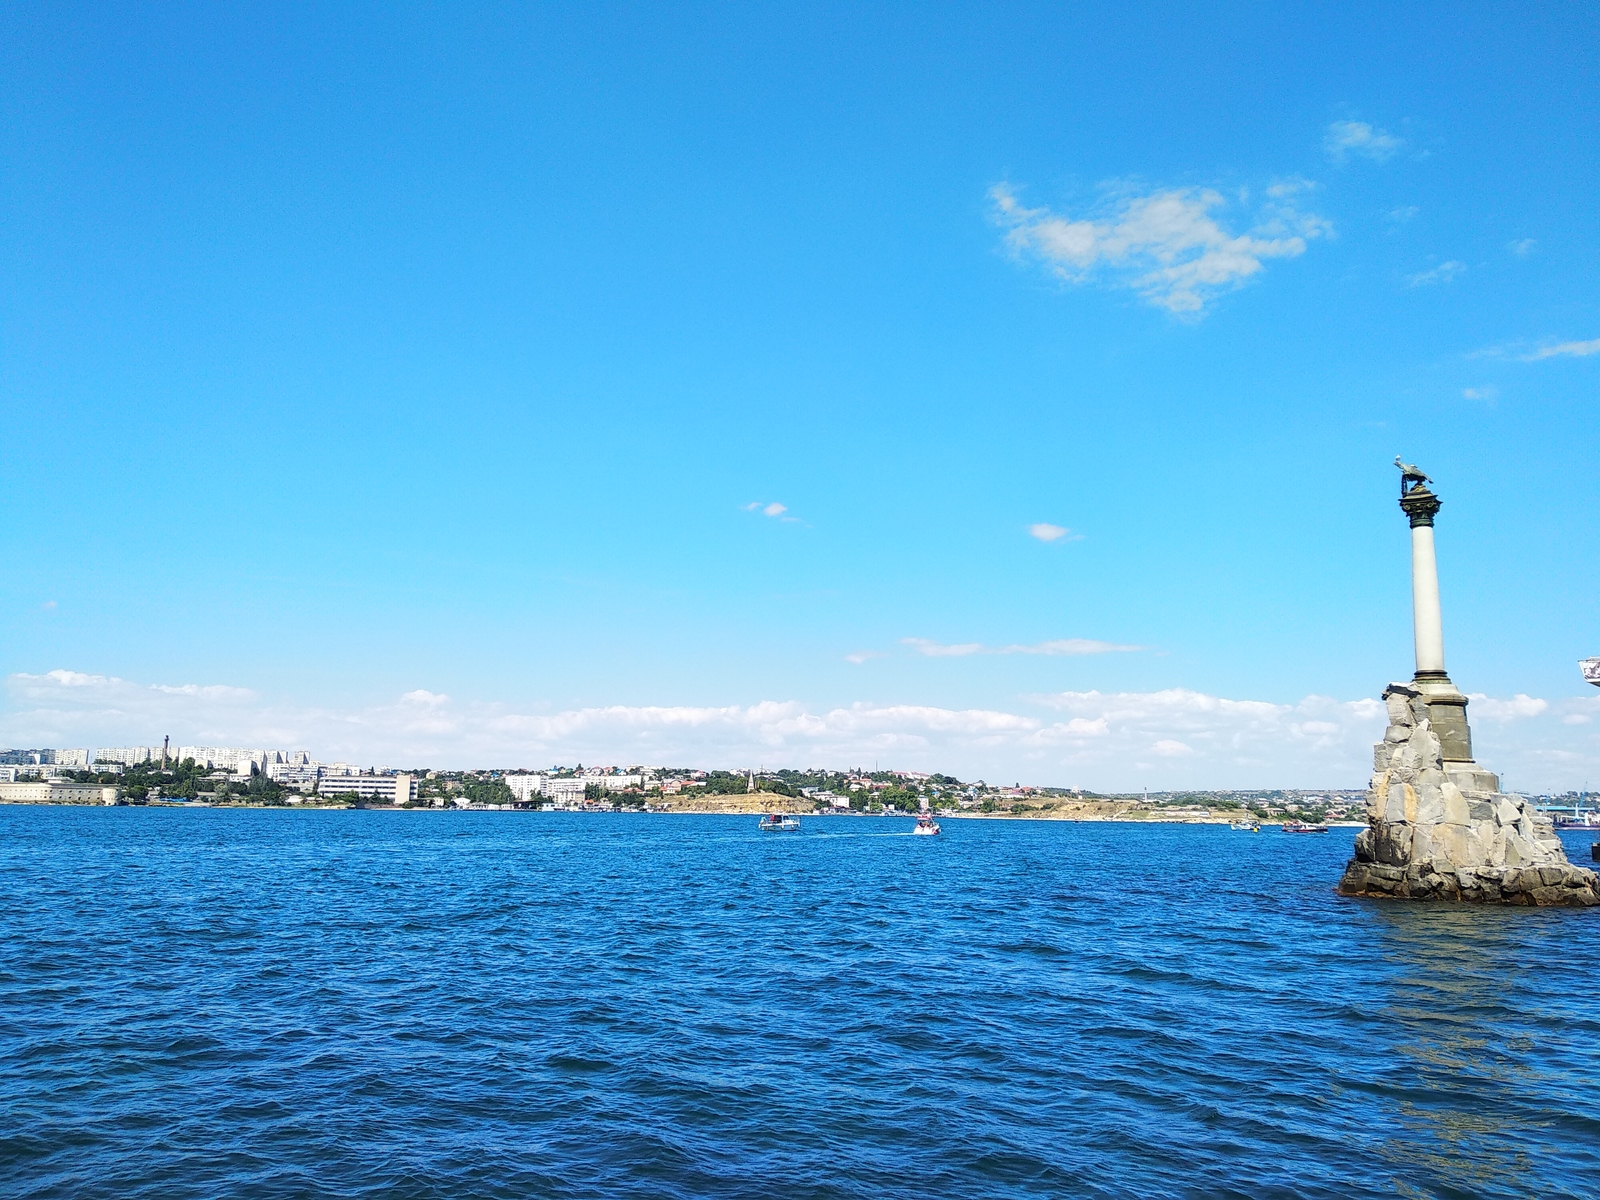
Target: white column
1425, 601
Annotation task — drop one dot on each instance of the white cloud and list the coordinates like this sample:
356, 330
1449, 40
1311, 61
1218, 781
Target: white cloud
1046, 532
1443, 273
425, 698
1346, 138
1516, 708
1522, 247
216, 691
76, 679
1486, 391
1403, 214
935, 650
1564, 350
1070, 646
1060, 646
861, 656
1167, 246
1090, 738
772, 509
1284, 188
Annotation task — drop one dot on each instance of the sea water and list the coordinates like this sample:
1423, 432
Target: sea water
199, 1003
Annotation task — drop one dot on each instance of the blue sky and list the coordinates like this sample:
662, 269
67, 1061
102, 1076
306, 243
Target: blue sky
415, 385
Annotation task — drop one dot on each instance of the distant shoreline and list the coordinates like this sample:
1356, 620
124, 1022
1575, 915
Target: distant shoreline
1125, 817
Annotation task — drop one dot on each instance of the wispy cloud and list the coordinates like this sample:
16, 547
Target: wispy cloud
1168, 246
1402, 214
938, 650
1046, 532
861, 656
773, 510
1522, 247
1486, 391
1071, 646
1346, 139
1059, 646
1443, 273
425, 699
1564, 350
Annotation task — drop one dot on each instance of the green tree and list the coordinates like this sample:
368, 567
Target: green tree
487, 791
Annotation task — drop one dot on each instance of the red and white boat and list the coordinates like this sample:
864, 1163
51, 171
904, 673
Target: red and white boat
1303, 827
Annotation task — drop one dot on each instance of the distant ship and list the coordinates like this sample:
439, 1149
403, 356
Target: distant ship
1303, 827
1591, 670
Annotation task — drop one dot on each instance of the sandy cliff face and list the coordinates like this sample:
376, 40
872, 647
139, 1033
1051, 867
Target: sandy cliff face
752, 802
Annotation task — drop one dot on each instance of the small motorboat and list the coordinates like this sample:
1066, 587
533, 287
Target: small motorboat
926, 826
1303, 827
779, 823
1245, 827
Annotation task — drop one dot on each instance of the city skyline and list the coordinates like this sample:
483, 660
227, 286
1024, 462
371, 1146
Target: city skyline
1012, 397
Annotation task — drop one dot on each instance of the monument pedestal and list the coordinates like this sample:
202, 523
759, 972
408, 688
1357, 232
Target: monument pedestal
1438, 825
1433, 834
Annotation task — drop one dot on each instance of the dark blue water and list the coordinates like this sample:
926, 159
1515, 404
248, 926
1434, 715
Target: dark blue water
210, 1003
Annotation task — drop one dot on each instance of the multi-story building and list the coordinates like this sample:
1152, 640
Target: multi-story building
615, 783
236, 760
564, 789
27, 758
125, 756
293, 774
396, 789
524, 787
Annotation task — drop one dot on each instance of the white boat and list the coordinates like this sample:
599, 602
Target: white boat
779, 823
1245, 827
926, 826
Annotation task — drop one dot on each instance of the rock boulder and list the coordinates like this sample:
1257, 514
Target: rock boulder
1429, 838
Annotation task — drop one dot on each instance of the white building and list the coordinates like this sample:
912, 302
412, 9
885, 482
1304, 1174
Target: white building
125, 756
615, 783
524, 787
293, 774
396, 789
236, 760
565, 789
57, 793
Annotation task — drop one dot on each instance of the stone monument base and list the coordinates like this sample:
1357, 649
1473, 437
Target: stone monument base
1433, 835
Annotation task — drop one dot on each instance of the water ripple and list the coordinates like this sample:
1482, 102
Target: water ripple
445, 1004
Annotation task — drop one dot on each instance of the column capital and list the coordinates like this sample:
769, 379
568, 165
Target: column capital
1420, 505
